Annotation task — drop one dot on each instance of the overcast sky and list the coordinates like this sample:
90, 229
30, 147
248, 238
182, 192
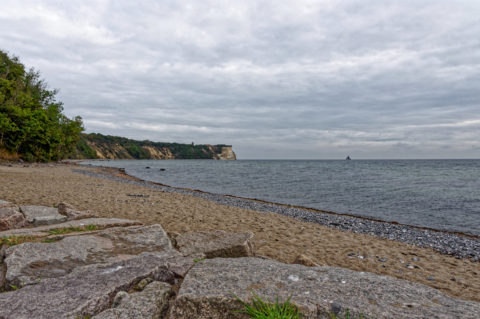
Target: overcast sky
277, 79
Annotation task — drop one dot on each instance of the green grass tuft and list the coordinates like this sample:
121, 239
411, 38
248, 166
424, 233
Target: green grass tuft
260, 309
71, 229
91, 227
13, 287
14, 240
196, 260
50, 240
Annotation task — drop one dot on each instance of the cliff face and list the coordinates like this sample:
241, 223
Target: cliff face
98, 146
162, 153
226, 153
116, 151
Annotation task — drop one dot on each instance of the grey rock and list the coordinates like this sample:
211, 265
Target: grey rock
42, 215
152, 302
63, 207
3, 248
210, 287
10, 218
181, 265
216, 244
4, 203
142, 284
43, 231
152, 236
73, 214
3, 270
87, 290
119, 297
77, 214
28, 263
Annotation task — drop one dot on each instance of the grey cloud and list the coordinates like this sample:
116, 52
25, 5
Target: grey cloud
292, 79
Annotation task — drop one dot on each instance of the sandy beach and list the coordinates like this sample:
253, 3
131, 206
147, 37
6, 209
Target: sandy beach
276, 236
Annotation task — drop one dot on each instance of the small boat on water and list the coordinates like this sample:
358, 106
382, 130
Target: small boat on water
348, 158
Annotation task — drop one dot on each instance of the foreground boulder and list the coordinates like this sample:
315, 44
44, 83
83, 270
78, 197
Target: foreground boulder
210, 287
32, 262
11, 218
216, 244
87, 290
150, 303
42, 215
43, 231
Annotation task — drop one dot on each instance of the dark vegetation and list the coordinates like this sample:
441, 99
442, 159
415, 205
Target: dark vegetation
32, 125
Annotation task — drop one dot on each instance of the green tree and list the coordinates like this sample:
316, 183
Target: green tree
31, 120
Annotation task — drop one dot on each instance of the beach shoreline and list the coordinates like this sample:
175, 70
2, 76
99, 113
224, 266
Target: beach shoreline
453, 243
278, 236
120, 172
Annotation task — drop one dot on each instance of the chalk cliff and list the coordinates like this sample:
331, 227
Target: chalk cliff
98, 146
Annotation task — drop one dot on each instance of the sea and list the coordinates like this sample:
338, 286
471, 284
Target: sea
439, 194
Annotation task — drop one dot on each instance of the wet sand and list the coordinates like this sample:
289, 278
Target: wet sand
276, 236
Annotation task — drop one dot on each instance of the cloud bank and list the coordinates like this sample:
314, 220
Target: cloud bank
288, 79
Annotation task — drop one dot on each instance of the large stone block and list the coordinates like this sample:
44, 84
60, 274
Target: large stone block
42, 231
42, 215
216, 244
11, 218
150, 303
210, 287
28, 263
153, 237
87, 290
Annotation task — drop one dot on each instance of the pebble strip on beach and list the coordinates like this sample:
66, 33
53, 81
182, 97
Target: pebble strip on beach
442, 242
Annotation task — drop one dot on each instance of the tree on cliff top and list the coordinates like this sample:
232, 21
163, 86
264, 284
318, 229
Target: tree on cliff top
31, 120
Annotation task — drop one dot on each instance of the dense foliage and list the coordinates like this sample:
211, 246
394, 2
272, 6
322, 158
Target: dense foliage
123, 147
31, 120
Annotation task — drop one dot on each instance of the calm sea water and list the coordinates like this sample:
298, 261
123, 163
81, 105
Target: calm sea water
442, 194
